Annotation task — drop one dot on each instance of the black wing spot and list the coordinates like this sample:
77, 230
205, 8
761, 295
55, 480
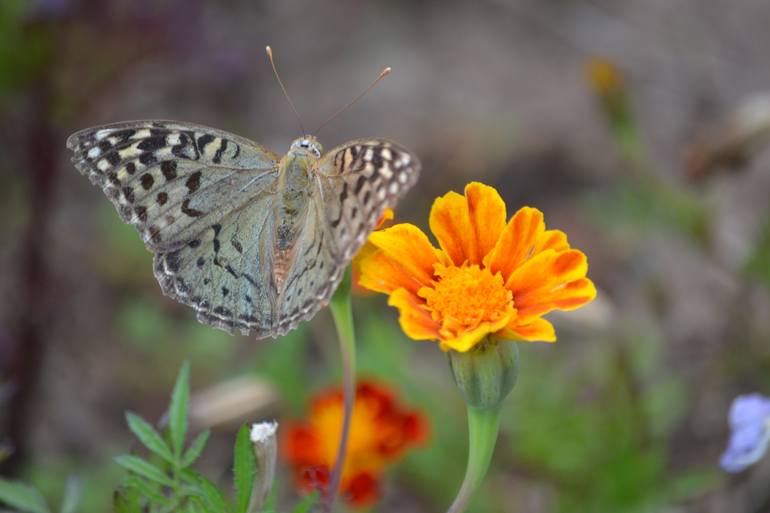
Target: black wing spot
147, 159
225, 291
204, 140
113, 158
200, 262
162, 198
168, 167
147, 180
128, 193
152, 143
130, 168
141, 213
190, 211
194, 181
237, 245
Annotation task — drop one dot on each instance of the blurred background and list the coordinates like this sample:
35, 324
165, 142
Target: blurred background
637, 126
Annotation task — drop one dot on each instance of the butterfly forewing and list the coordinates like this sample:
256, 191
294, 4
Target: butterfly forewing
357, 182
171, 180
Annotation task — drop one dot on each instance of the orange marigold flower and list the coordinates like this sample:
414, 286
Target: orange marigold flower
365, 250
489, 277
381, 430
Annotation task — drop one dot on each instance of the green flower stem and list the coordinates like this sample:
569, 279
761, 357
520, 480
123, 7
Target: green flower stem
483, 425
342, 312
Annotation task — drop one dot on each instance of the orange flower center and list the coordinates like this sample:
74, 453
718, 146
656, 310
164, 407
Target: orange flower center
464, 297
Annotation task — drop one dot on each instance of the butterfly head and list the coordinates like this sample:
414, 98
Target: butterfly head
307, 145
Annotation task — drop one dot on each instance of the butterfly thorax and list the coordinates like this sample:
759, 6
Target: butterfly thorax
291, 209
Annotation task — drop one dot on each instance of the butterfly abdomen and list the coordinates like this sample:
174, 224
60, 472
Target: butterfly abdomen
290, 212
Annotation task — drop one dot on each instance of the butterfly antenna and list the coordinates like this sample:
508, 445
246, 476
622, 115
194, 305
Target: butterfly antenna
283, 88
336, 113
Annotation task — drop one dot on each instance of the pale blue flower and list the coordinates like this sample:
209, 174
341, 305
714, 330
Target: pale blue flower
750, 432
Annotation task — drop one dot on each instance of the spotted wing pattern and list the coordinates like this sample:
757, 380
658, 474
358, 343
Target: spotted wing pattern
201, 199
355, 183
168, 179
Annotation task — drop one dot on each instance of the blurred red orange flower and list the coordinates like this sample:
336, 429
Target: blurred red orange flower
381, 431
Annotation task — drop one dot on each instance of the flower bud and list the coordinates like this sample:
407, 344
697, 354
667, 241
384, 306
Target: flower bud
265, 449
486, 373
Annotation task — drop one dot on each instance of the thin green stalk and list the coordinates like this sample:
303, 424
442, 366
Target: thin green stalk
483, 425
342, 312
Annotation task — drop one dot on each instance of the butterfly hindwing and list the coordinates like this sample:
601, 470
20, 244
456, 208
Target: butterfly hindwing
169, 179
222, 273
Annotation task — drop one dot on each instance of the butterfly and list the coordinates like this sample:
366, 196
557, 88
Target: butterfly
252, 241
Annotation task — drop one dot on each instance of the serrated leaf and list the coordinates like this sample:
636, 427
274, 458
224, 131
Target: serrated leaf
177, 412
149, 437
147, 491
214, 498
244, 470
196, 448
22, 497
306, 503
144, 468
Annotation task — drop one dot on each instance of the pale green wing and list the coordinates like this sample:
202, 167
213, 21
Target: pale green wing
202, 200
354, 184
171, 180
224, 273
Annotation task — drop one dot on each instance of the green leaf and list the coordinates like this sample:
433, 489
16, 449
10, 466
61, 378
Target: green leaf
126, 500
244, 470
306, 503
22, 497
144, 468
214, 498
196, 448
72, 495
180, 400
149, 437
148, 491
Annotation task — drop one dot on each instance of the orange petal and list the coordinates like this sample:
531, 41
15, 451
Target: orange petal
552, 239
414, 318
539, 330
468, 339
378, 272
567, 297
451, 223
517, 242
407, 247
487, 215
546, 281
